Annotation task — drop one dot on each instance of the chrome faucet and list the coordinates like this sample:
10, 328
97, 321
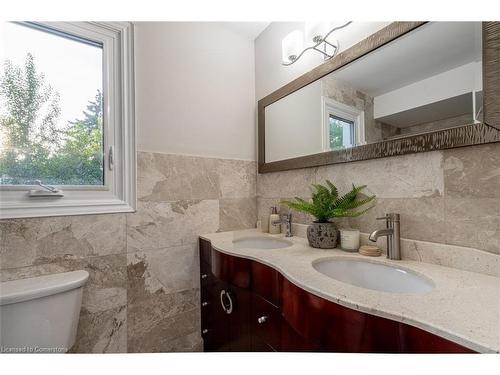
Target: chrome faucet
287, 220
392, 232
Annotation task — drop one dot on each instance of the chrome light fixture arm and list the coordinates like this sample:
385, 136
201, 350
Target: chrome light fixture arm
319, 41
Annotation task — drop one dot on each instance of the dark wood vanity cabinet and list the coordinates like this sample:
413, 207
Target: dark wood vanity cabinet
248, 306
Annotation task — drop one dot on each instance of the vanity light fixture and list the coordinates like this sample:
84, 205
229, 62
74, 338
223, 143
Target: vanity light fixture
292, 45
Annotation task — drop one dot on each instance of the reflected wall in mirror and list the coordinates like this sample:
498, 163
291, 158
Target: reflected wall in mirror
426, 80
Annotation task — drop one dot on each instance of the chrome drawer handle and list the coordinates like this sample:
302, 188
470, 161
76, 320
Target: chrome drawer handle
262, 319
204, 332
222, 295
229, 308
203, 304
204, 276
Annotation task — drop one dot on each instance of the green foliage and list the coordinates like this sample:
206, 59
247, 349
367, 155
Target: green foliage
327, 204
32, 107
336, 136
29, 132
33, 145
93, 115
79, 160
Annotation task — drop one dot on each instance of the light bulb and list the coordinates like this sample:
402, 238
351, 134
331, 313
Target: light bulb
291, 46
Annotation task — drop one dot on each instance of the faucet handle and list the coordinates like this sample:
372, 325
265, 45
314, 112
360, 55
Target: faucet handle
389, 217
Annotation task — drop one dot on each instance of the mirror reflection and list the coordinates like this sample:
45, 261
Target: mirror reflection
427, 80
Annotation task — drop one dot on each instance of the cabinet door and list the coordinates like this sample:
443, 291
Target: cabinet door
225, 307
238, 318
214, 320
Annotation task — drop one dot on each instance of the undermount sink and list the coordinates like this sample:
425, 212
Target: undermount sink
373, 276
261, 243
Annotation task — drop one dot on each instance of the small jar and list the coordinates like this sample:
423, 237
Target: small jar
349, 239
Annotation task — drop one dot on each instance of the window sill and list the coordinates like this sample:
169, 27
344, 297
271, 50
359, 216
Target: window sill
73, 203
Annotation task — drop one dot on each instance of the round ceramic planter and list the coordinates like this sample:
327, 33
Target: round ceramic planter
323, 235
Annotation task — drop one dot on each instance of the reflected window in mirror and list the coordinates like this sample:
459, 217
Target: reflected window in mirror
341, 133
343, 125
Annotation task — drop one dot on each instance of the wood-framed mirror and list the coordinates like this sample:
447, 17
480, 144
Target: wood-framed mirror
410, 87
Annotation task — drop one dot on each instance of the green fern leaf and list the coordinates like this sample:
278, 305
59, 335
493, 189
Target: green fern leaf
326, 204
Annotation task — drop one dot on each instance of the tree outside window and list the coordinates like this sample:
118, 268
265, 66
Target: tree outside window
33, 146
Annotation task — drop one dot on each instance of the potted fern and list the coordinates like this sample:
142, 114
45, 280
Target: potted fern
326, 204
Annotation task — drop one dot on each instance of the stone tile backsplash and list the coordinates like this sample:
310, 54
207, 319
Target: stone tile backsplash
472, 172
450, 197
237, 213
143, 290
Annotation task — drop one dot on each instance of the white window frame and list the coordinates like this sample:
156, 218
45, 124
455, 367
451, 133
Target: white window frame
118, 194
334, 108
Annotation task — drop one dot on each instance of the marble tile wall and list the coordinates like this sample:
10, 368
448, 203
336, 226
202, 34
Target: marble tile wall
143, 292
450, 197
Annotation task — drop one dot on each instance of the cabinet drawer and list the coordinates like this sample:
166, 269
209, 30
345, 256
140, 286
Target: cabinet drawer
266, 282
214, 320
266, 322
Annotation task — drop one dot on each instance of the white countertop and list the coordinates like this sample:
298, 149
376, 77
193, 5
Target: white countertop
464, 307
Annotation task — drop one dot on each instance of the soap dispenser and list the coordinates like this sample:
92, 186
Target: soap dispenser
274, 224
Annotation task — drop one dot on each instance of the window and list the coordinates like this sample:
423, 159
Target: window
341, 133
51, 113
66, 118
343, 126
